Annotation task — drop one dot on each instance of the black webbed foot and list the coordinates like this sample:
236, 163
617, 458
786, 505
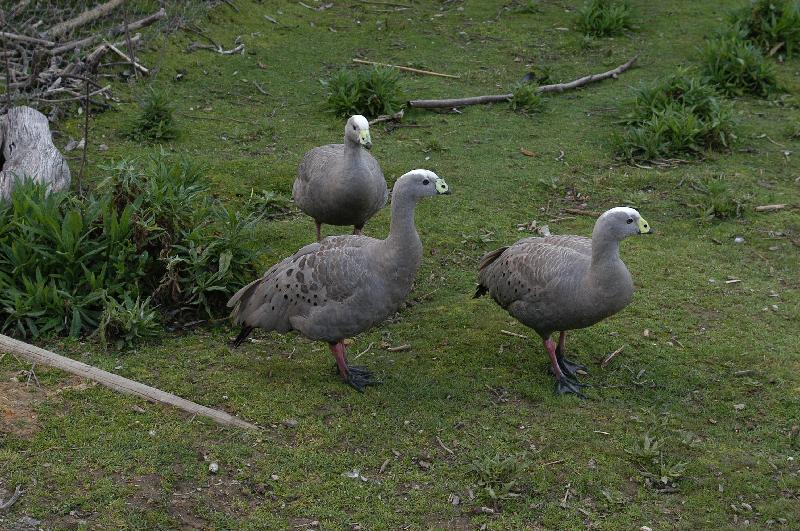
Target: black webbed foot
359, 377
568, 385
569, 367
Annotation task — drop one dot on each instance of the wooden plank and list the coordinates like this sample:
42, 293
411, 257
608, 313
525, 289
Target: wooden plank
116, 382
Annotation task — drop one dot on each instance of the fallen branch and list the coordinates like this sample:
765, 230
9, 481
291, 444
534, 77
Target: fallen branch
127, 59
12, 500
495, 98
84, 18
113, 32
406, 69
770, 208
579, 212
396, 117
25, 38
513, 334
116, 382
400, 348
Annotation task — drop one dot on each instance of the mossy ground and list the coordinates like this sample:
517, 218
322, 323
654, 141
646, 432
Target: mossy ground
111, 461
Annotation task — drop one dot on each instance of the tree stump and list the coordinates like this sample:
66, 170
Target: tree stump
27, 151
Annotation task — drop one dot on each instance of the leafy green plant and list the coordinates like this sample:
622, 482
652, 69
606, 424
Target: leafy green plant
773, 25
603, 18
737, 67
679, 115
153, 232
127, 322
154, 122
497, 476
367, 91
526, 99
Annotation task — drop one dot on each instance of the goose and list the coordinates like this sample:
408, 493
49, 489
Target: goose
341, 184
343, 285
560, 283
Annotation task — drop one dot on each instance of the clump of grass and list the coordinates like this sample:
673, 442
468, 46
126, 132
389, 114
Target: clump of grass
717, 200
128, 322
603, 18
680, 115
497, 477
154, 122
738, 67
367, 91
771, 24
526, 99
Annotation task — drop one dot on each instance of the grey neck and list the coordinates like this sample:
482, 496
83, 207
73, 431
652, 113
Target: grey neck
402, 232
352, 150
607, 268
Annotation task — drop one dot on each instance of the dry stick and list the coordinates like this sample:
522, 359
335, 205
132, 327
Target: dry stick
84, 18
129, 43
406, 68
136, 66
610, 357
495, 98
116, 382
579, 212
514, 334
25, 38
19, 7
393, 4
85, 139
8, 72
12, 500
445, 448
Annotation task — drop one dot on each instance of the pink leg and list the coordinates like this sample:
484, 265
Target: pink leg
353, 375
550, 346
338, 351
319, 231
562, 341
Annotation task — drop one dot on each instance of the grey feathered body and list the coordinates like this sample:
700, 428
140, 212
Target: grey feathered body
550, 283
330, 290
339, 185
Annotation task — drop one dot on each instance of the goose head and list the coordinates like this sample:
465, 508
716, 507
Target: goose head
621, 222
420, 183
357, 131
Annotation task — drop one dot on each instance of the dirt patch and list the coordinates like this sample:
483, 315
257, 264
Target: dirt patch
20, 398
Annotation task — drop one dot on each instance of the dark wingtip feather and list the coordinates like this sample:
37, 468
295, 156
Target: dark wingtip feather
242, 335
480, 291
488, 258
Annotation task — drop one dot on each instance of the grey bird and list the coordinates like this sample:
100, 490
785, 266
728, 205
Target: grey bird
343, 285
560, 283
341, 184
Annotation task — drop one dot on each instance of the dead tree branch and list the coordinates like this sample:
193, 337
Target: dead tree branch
116, 382
84, 18
13, 499
494, 98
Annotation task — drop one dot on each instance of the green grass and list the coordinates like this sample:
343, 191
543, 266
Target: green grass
737, 68
114, 461
604, 18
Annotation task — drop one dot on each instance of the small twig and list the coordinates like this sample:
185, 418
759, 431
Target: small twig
128, 59
364, 351
130, 44
25, 38
610, 357
553, 462
13, 499
445, 448
271, 20
32, 374
399, 348
260, 89
406, 69
509, 333
85, 140
388, 117
383, 466
233, 6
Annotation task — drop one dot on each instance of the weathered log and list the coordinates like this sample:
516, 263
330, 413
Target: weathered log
113, 32
116, 382
27, 150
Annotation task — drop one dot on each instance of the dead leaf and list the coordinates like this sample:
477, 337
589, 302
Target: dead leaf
527, 153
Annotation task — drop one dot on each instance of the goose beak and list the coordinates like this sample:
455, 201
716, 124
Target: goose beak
365, 139
644, 227
441, 187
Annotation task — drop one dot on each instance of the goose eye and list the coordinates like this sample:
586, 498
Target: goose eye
354, 128
426, 182
629, 221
